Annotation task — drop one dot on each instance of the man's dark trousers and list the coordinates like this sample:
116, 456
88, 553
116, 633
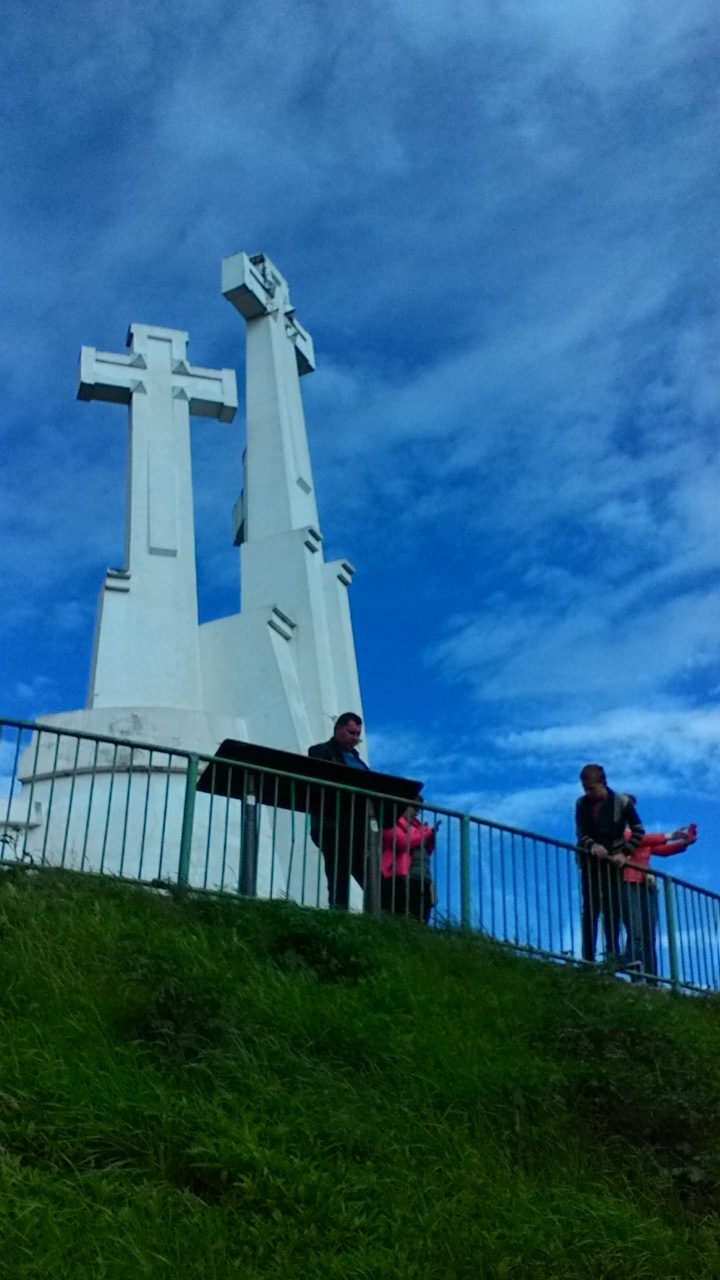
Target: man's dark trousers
601, 895
343, 849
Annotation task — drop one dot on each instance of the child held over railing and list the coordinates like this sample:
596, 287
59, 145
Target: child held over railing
639, 909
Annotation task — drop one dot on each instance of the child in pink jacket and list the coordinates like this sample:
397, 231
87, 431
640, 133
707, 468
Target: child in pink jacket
639, 895
406, 885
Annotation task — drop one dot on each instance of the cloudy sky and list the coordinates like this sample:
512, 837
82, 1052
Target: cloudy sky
498, 220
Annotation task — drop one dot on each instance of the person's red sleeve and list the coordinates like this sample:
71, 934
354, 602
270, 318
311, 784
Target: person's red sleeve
670, 846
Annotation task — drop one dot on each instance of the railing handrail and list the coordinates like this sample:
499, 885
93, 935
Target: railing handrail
184, 753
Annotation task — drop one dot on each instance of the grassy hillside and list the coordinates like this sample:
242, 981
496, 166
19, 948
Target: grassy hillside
193, 1087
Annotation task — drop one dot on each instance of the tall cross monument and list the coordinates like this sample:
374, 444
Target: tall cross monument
146, 639
286, 662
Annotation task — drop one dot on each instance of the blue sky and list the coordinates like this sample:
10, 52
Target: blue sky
498, 223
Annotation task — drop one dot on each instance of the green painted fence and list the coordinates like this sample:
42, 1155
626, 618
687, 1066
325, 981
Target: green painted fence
132, 809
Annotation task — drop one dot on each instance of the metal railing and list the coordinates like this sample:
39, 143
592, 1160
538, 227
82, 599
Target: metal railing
133, 809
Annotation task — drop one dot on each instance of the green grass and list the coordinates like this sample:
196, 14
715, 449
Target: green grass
195, 1087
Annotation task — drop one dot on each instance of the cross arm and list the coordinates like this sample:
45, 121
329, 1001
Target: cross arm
247, 285
106, 376
211, 393
256, 288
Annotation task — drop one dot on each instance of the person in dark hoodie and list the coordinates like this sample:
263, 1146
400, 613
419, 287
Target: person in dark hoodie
608, 833
337, 825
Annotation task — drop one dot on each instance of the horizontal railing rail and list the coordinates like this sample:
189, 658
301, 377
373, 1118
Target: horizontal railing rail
132, 808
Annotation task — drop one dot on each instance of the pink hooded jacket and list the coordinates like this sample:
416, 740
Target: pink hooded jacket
401, 842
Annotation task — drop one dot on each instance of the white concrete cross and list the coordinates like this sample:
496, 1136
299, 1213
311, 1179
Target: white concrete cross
294, 629
162, 390
279, 494
146, 645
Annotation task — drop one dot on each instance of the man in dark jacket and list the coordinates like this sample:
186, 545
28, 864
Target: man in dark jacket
337, 824
601, 817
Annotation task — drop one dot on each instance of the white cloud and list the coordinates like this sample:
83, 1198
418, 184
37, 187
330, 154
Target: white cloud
530, 808
593, 651
29, 691
662, 749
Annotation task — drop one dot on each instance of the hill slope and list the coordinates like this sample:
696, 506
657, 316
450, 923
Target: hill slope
196, 1087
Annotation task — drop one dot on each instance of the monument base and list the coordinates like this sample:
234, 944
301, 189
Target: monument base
117, 808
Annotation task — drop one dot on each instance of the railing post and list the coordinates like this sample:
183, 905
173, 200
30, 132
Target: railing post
465, 871
191, 777
671, 920
371, 890
247, 884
